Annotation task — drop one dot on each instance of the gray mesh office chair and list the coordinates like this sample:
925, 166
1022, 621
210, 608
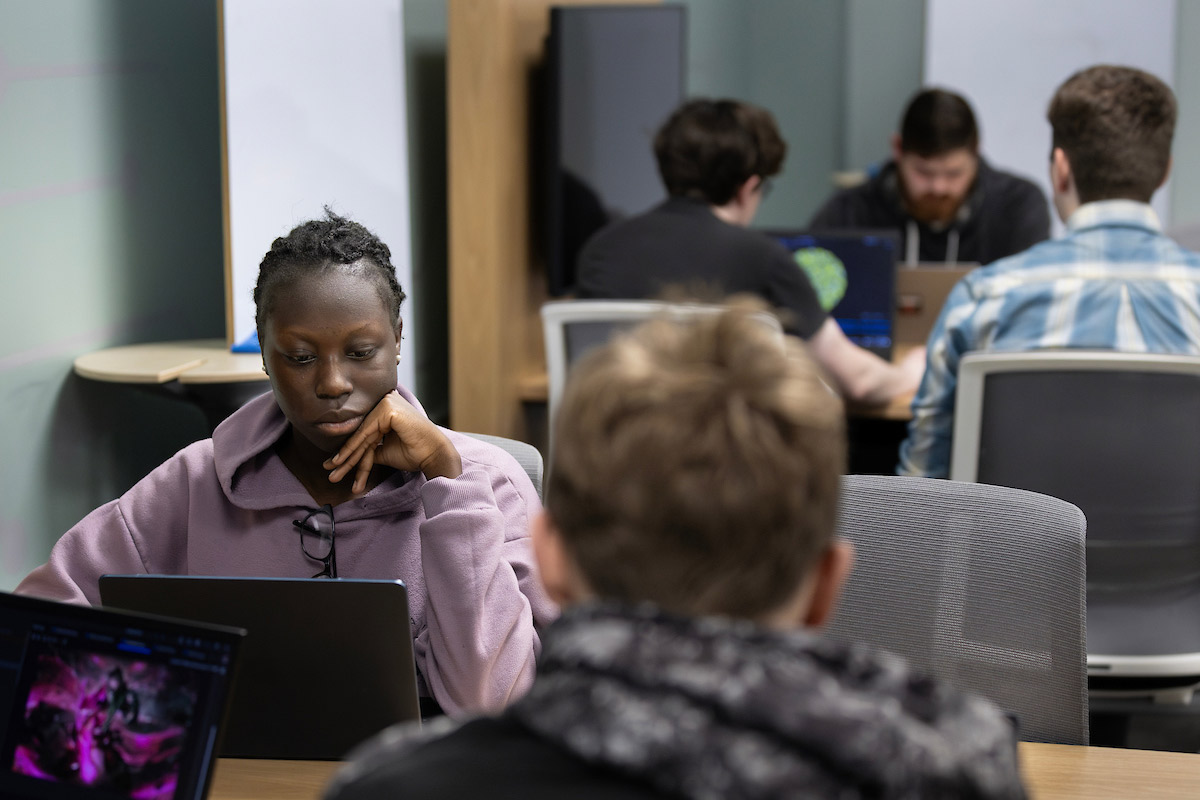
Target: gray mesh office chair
1117, 434
573, 327
982, 586
526, 455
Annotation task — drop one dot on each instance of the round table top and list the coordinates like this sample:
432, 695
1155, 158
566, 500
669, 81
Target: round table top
193, 361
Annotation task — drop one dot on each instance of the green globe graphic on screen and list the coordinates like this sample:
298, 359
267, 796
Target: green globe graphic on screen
826, 273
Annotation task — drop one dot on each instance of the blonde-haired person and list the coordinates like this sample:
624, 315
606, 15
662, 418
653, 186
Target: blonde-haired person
689, 532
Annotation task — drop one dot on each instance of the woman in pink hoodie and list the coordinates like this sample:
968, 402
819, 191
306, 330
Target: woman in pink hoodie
339, 444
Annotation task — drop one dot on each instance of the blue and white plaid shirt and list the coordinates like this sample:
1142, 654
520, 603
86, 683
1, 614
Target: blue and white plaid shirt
1114, 282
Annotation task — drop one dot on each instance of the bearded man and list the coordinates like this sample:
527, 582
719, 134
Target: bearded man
943, 198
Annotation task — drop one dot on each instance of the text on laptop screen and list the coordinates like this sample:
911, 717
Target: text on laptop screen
98, 704
854, 276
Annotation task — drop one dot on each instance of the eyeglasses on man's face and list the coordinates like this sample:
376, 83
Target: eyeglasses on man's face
317, 540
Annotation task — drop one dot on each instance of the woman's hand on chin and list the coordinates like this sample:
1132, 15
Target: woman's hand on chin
397, 435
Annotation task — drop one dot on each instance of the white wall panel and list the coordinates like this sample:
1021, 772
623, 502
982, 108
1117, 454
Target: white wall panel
1008, 56
315, 116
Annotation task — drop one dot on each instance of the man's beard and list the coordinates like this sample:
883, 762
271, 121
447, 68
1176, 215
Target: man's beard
934, 209
931, 209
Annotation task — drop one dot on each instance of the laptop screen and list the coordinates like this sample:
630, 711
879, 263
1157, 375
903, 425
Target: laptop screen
365, 671
854, 275
104, 704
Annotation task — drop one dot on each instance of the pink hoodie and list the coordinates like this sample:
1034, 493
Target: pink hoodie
225, 505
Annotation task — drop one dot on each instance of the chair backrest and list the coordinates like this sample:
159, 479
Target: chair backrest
573, 327
1117, 435
528, 456
981, 586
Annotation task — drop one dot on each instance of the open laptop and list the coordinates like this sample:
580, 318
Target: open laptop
921, 291
325, 664
100, 704
854, 274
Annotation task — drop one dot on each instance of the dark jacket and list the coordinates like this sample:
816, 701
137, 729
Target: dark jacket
1002, 215
636, 703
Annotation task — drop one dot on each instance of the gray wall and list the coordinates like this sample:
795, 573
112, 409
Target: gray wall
1185, 183
425, 63
110, 214
884, 61
834, 74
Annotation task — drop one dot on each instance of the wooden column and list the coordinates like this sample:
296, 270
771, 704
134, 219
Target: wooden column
495, 287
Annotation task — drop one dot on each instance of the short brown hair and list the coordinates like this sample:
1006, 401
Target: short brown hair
937, 122
697, 466
708, 148
1115, 124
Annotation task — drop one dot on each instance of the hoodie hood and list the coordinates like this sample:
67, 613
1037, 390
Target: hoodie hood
253, 478
718, 708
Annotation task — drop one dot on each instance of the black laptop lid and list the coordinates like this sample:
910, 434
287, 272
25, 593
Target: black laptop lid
325, 665
101, 704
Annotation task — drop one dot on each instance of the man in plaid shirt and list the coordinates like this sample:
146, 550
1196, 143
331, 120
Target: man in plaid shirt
1113, 282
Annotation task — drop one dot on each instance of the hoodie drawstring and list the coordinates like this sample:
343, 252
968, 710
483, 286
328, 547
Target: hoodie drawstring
912, 245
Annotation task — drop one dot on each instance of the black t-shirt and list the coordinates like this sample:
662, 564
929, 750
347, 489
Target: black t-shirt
682, 245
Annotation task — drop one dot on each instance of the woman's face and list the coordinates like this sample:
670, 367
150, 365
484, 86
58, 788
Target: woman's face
330, 349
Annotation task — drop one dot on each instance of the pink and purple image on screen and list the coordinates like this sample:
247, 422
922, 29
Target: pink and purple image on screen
105, 721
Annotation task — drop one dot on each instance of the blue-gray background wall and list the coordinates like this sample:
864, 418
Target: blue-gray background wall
836, 75
110, 208
110, 218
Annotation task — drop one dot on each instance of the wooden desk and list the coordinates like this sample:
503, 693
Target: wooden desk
200, 371
266, 779
1052, 772
899, 410
1064, 772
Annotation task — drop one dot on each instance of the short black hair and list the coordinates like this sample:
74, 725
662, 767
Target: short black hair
708, 148
317, 245
937, 122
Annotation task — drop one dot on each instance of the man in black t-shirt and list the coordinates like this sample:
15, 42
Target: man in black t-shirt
715, 158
